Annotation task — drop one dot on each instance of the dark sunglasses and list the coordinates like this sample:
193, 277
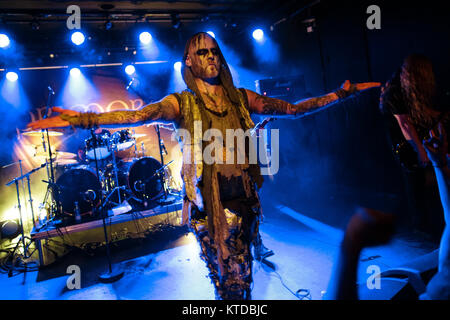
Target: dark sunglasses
202, 52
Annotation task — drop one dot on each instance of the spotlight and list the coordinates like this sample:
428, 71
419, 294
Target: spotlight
4, 40
211, 34
75, 72
177, 66
77, 38
129, 69
145, 37
12, 76
258, 34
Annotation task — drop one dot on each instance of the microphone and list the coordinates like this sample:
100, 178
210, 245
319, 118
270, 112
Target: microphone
51, 90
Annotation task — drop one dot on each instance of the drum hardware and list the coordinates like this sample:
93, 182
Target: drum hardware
110, 276
19, 207
162, 148
49, 162
114, 147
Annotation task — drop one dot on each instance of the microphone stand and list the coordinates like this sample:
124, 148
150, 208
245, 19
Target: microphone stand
19, 206
161, 147
50, 173
52, 176
112, 275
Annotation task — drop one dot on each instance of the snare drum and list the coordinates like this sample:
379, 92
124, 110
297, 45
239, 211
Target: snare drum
97, 146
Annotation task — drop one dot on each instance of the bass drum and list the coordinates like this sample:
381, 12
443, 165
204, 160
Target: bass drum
146, 179
78, 186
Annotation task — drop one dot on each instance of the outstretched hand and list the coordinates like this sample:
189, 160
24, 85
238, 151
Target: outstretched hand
437, 146
353, 87
369, 227
52, 122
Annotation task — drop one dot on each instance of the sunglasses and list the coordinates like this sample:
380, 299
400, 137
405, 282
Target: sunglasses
202, 52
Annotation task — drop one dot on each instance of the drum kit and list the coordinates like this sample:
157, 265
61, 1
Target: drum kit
79, 190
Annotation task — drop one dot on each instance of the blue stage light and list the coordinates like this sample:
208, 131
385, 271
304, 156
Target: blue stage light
77, 38
211, 34
12, 76
4, 40
129, 69
75, 72
258, 34
145, 37
177, 66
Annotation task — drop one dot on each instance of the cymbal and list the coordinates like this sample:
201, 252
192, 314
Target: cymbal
39, 133
63, 162
138, 135
58, 154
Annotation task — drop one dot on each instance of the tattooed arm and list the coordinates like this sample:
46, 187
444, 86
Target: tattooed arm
167, 109
276, 107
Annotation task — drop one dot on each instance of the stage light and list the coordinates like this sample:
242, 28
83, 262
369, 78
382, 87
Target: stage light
4, 40
12, 76
77, 38
177, 66
75, 72
145, 37
129, 69
211, 34
258, 34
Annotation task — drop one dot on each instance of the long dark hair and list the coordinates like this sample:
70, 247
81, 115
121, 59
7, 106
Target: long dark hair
419, 89
225, 76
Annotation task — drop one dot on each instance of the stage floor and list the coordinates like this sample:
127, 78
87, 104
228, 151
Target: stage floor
167, 266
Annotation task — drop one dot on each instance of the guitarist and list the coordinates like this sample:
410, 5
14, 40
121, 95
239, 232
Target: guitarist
411, 107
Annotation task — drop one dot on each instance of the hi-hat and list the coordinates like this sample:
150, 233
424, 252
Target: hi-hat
39, 133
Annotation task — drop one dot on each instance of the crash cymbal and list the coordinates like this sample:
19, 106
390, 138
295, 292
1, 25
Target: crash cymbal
58, 154
138, 135
39, 133
62, 162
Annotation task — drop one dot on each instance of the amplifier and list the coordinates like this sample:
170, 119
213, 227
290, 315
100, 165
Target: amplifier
290, 89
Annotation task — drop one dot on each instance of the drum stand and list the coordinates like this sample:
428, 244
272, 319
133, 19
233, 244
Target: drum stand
49, 164
112, 275
162, 148
19, 207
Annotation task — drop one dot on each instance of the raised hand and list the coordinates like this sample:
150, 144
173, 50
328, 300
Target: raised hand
369, 227
353, 87
437, 146
52, 122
